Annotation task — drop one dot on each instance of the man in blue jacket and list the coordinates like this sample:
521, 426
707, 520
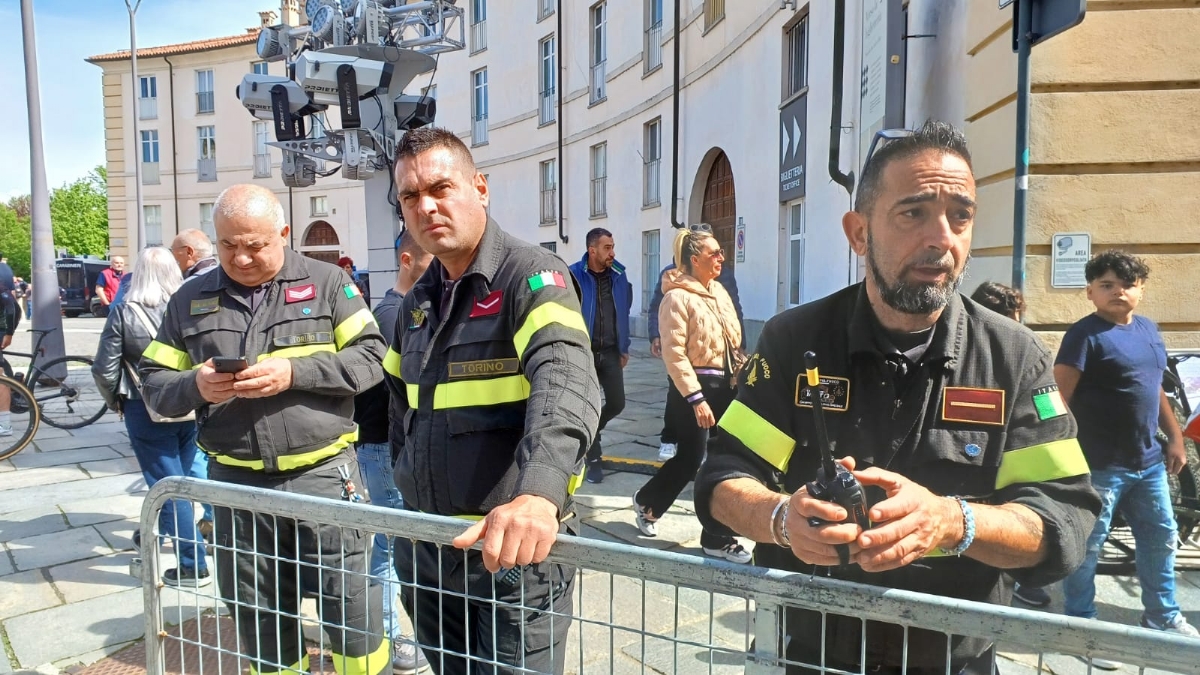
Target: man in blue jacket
607, 297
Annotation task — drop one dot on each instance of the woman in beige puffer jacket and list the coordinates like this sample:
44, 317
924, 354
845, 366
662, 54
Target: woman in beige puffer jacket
699, 329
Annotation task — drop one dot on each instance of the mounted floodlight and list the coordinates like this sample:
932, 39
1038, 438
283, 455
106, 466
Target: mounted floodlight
414, 112
298, 171
317, 72
348, 7
370, 23
275, 42
358, 160
258, 93
311, 7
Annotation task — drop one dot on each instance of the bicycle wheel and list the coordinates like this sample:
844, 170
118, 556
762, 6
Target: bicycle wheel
66, 393
23, 418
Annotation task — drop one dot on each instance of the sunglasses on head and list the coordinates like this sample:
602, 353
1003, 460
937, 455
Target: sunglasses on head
881, 139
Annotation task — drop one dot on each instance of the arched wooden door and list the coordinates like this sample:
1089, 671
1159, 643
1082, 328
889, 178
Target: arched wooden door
321, 243
720, 205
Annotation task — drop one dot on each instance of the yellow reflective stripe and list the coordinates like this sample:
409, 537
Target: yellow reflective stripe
297, 352
413, 394
576, 480
168, 356
349, 329
372, 664
543, 315
302, 667
1038, 463
289, 462
758, 434
391, 363
469, 393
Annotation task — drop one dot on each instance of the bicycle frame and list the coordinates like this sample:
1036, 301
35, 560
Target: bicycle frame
38, 353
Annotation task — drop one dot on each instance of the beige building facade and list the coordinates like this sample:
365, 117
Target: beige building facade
196, 139
1114, 153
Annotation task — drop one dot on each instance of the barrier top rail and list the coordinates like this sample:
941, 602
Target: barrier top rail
1038, 631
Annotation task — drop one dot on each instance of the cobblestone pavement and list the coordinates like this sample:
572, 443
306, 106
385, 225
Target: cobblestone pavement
70, 503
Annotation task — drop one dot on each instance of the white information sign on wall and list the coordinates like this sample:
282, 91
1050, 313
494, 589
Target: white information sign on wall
1069, 254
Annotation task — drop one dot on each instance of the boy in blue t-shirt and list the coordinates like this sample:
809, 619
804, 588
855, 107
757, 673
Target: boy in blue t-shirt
1109, 371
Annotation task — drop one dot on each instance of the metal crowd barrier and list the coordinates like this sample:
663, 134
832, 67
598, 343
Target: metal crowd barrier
636, 610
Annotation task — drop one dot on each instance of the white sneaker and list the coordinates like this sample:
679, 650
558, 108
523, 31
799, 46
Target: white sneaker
5, 430
1103, 664
1178, 625
733, 552
666, 451
645, 520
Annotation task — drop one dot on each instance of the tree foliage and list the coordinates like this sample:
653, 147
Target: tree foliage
15, 240
79, 214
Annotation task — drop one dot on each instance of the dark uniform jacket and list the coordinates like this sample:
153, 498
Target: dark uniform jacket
498, 397
313, 314
1012, 442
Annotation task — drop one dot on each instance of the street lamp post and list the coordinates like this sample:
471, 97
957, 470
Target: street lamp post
46, 313
139, 236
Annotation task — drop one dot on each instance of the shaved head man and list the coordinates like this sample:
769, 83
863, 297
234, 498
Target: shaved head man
193, 252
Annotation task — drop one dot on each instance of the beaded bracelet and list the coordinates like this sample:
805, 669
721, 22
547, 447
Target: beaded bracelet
783, 531
968, 529
775, 514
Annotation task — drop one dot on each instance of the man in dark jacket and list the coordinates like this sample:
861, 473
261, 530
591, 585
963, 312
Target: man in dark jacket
375, 455
494, 402
972, 470
667, 440
606, 296
283, 422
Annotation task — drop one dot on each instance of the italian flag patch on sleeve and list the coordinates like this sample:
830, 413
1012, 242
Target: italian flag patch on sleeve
1048, 403
544, 279
350, 290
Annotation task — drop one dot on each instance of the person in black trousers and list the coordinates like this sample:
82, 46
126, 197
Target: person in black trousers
700, 334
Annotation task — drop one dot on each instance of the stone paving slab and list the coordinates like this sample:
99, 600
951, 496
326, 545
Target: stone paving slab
42, 519
6, 564
5, 467
41, 477
94, 577
26, 592
15, 500
79, 628
103, 509
35, 460
118, 533
112, 467
59, 547
90, 438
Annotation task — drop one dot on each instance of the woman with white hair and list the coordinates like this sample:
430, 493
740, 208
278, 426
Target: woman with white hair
163, 447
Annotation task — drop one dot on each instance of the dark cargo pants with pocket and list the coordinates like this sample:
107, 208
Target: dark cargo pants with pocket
266, 564
469, 622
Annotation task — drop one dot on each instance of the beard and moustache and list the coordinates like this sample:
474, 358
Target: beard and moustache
915, 298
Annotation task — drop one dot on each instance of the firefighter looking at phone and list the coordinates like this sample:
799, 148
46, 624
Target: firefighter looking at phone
269, 350
946, 413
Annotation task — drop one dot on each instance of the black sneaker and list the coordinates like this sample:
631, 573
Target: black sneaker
187, 578
595, 472
1034, 596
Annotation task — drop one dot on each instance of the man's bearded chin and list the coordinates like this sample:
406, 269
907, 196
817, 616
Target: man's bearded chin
913, 298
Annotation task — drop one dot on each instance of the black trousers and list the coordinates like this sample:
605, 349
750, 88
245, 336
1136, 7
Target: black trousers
469, 622
674, 475
266, 564
668, 435
612, 382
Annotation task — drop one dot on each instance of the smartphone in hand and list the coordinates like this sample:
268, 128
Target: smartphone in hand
229, 364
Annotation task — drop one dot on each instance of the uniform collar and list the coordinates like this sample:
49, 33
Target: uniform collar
948, 332
487, 260
295, 266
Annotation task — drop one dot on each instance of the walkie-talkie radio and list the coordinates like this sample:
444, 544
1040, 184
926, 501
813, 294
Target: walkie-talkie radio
834, 483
